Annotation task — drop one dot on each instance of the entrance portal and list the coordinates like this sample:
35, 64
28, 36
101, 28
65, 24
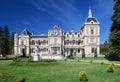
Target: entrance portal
23, 53
55, 50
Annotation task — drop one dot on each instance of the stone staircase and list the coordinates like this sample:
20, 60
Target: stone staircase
55, 56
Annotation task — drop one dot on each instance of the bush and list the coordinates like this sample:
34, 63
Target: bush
91, 61
78, 60
30, 59
102, 62
20, 79
15, 58
114, 57
83, 76
112, 64
65, 59
110, 68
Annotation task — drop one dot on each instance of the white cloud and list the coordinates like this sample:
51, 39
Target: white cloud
25, 22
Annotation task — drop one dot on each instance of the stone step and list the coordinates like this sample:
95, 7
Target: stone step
56, 57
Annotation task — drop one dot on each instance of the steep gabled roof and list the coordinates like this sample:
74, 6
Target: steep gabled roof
26, 32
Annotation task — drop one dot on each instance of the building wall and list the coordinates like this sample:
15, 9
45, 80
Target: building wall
60, 42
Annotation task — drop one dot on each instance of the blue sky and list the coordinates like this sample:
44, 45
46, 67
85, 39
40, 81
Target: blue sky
40, 15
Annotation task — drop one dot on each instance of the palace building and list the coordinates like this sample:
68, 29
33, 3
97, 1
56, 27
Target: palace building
59, 42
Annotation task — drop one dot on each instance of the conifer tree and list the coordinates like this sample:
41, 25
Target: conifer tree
0, 40
114, 37
11, 44
83, 53
5, 40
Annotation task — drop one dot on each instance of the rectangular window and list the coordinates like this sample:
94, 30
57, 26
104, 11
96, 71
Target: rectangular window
92, 31
67, 35
91, 40
92, 50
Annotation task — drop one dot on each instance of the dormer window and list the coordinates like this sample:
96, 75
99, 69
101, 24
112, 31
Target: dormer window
67, 35
73, 35
78, 35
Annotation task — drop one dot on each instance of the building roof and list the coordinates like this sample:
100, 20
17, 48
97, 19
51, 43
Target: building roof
26, 32
38, 36
91, 19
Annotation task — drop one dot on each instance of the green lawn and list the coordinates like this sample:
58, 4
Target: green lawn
60, 71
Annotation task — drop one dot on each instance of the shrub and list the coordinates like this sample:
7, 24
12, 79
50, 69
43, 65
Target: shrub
78, 60
112, 64
102, 62
83, 76
15, 58
20, 79
110, 68
65, 59
30, 59
91, 61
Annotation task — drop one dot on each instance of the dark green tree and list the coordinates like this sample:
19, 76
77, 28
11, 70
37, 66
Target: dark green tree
104, 48
95, 53
116, 17
83, 53
5, 40
114, 37
11, 44
1, 41
71, 53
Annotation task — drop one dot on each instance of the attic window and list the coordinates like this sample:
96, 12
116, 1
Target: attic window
92, 22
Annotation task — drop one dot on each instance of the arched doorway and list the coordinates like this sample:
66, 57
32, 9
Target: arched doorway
23, 52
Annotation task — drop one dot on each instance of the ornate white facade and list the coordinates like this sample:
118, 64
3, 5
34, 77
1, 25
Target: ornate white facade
60, 42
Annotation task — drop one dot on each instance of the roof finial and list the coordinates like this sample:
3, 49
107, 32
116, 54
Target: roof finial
90, 14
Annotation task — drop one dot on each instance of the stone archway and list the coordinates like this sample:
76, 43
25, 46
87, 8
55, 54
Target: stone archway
23, 52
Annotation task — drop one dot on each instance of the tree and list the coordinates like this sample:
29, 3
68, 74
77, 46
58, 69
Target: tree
114, 37
11, 44
0, 40
71, 53
95, 53
6, 40
116, 17
83, 53
104, 48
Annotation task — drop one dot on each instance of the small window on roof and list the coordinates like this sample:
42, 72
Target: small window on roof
67, 35
73, 35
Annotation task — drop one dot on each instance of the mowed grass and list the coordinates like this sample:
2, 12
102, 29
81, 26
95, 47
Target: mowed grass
60, 71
